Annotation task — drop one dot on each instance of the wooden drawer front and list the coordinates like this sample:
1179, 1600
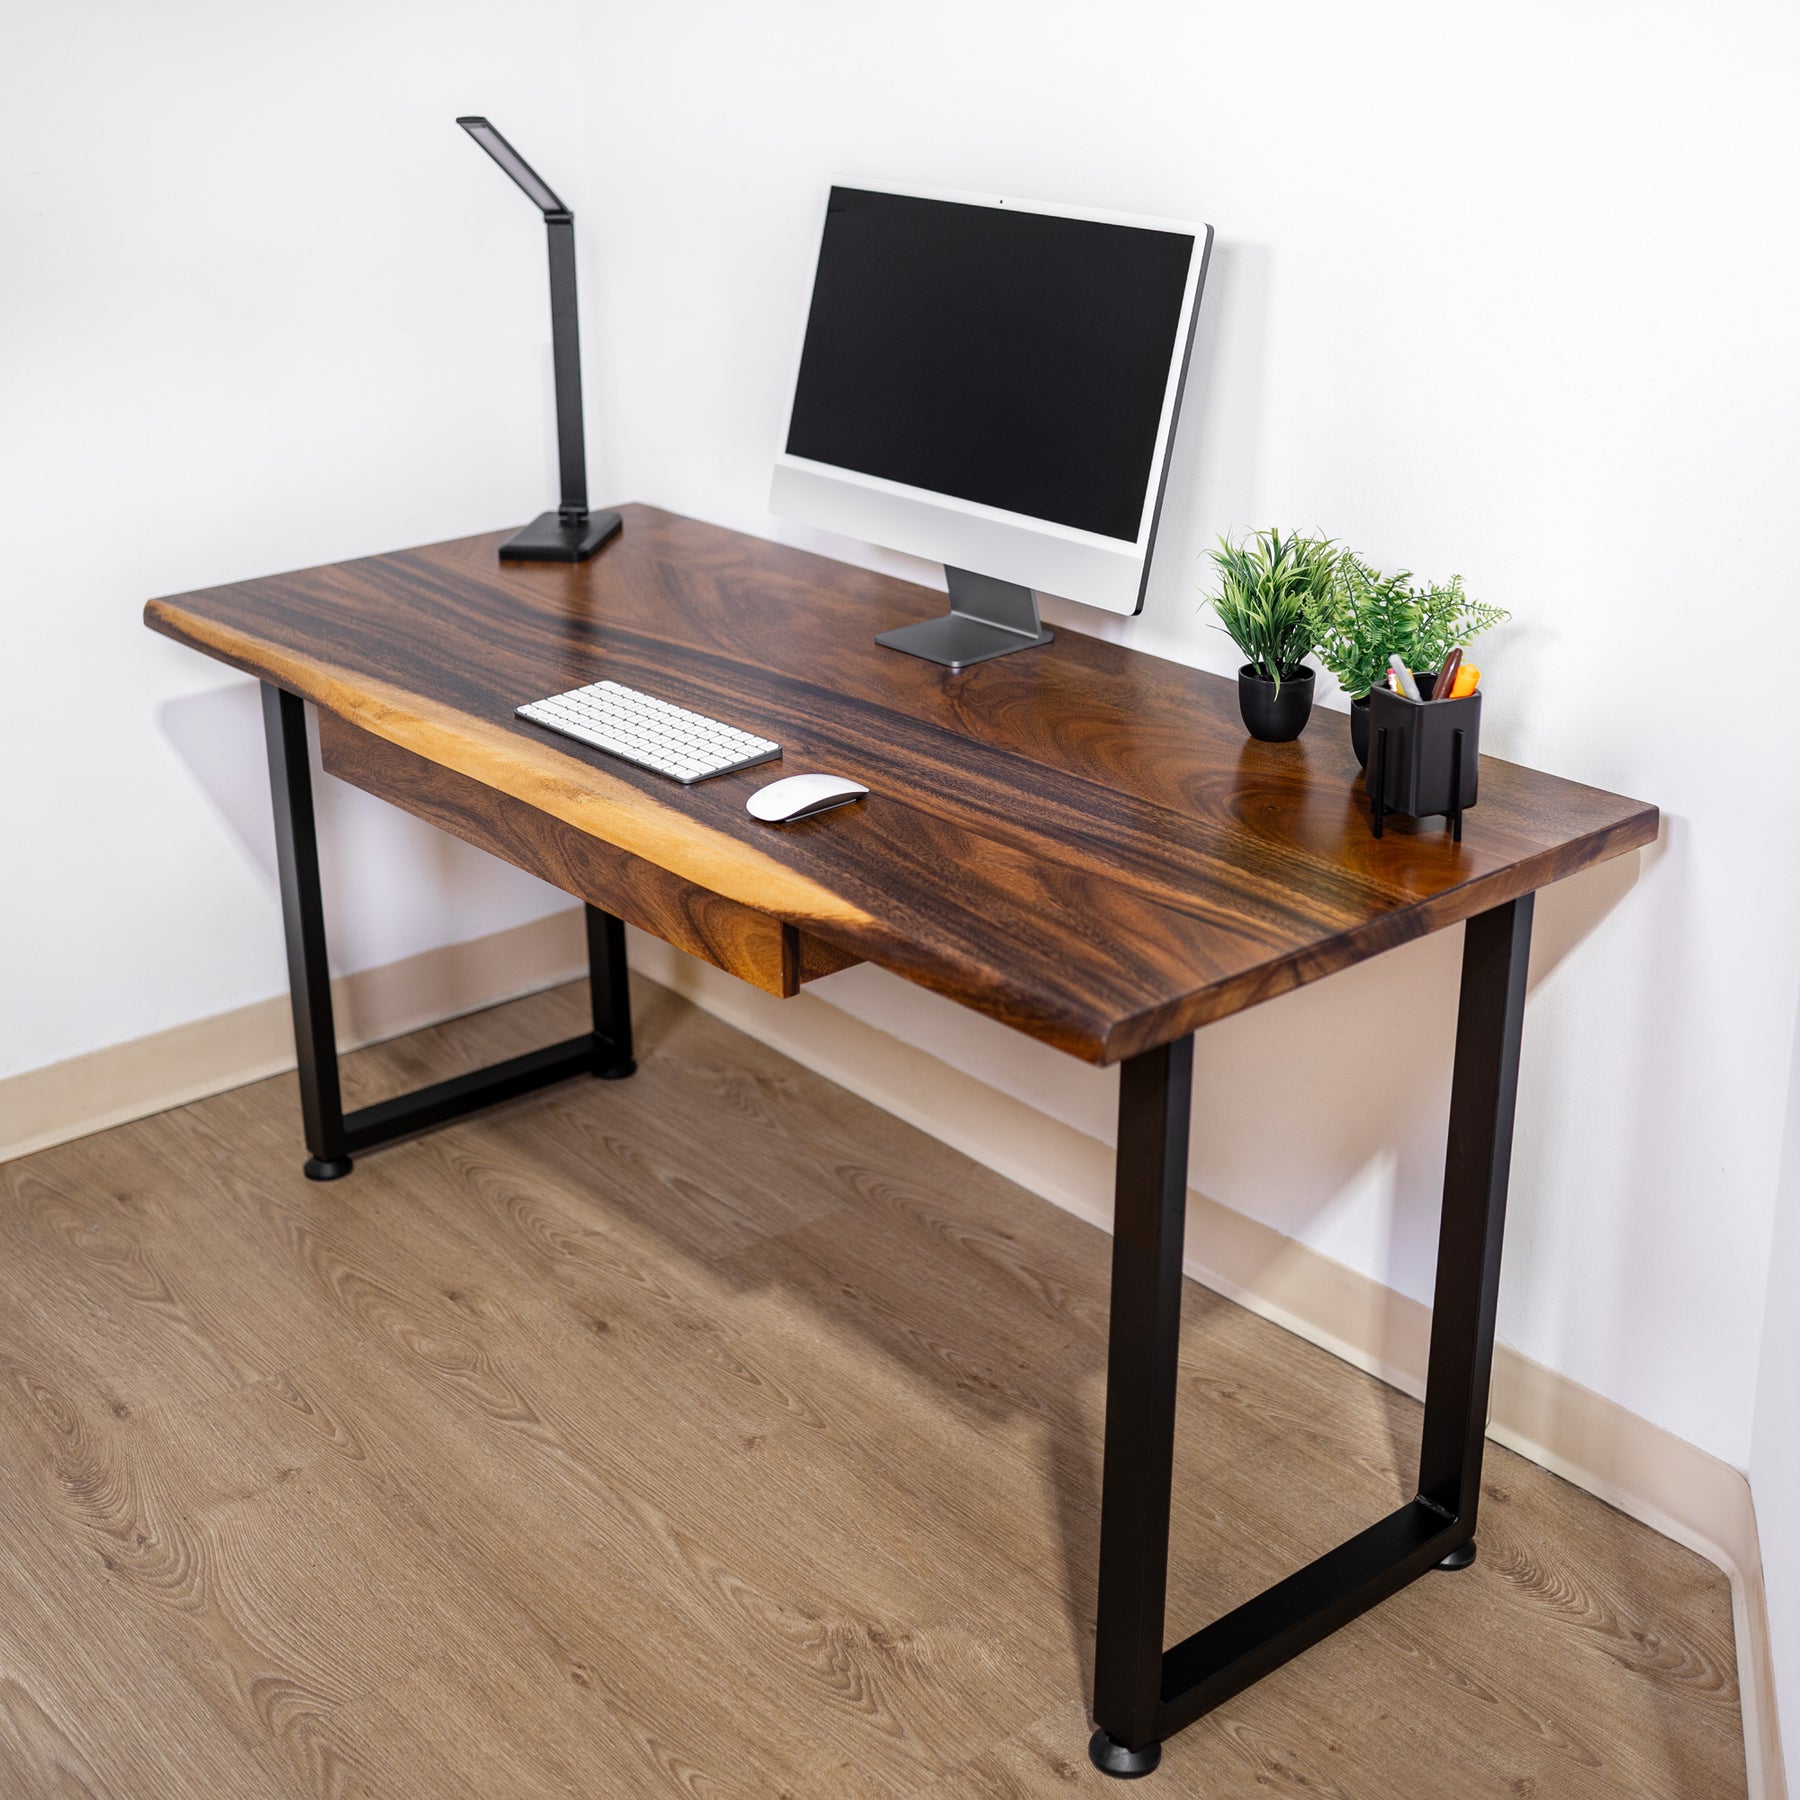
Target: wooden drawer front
761, 950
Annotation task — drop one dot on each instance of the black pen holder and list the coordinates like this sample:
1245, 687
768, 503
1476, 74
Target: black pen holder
1424, 757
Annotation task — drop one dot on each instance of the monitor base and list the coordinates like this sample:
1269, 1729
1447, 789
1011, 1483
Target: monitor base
551, 537
987, 618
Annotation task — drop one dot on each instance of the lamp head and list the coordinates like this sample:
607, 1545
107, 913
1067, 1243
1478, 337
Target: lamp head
535, 186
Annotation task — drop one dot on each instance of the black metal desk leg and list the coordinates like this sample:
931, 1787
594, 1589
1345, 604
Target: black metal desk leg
609, 982
303, 914
1150, 1213
332, 1135
1489, 1023
1142, 1693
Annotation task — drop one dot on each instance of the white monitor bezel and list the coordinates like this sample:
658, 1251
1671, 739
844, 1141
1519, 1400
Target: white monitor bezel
1113, 569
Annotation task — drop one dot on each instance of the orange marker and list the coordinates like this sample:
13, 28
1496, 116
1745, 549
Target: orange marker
1468, 678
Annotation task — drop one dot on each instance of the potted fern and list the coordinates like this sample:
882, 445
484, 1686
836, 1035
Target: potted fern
1365, 617
1271, 588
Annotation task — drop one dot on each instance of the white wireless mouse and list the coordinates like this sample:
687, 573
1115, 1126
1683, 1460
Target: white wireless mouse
800, 796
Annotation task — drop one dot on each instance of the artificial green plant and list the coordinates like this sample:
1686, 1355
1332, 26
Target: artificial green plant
1365, 617
1271, 587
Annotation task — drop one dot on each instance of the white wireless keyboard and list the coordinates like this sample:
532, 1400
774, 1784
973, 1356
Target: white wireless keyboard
639, 728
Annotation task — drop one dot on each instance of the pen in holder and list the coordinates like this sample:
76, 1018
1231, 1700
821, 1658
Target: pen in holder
1424, 757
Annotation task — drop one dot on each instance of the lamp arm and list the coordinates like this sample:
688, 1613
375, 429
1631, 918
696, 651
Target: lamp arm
565, 351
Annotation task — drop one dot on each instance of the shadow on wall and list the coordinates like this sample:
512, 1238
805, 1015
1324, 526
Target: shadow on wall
1320, 1114
393, 884
1224, 406
1364, 1061
1214, 454
1348, 1085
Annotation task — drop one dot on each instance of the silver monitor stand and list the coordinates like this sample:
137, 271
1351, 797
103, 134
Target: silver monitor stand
987, 618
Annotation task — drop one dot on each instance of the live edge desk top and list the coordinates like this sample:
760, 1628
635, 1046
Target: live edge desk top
1079, 841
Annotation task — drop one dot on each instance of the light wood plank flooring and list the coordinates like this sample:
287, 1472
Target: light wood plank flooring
712, 1434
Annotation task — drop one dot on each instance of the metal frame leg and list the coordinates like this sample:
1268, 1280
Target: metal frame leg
333, 1136
1142, 1693
1144, 1337
609, 984
1477, 1161
303, 915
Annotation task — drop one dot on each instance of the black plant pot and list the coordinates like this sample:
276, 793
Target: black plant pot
1359, 716
1276, 715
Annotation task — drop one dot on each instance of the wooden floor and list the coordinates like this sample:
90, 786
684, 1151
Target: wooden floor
712, 1434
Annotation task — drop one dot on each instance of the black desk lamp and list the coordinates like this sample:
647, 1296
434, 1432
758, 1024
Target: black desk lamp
571, 533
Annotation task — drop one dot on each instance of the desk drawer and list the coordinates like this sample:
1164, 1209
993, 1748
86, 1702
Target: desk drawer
761, 950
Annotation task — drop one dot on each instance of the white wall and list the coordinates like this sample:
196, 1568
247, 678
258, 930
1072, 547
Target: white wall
262, 304
1506, 292
1775, 1448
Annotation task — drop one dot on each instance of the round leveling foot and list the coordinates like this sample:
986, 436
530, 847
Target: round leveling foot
617, 1072
1112, 1758
1461, 1557
328, 1168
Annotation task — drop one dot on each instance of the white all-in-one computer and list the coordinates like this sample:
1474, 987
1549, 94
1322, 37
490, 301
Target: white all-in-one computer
993, 384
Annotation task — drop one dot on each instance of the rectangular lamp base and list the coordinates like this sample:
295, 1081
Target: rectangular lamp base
552, 538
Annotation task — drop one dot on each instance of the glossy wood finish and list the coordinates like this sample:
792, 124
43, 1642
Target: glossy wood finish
573, 1451
759, 948
1080, 841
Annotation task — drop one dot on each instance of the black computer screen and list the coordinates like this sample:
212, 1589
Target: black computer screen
1006, 357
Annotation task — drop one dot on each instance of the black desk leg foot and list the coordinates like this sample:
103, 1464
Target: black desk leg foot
1459, 1559
333, 1136
1114, 1759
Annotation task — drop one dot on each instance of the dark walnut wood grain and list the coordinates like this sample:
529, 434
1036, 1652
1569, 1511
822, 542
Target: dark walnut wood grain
759, 948
1079, 841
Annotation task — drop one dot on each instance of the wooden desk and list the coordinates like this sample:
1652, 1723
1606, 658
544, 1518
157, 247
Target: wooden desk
1080, 842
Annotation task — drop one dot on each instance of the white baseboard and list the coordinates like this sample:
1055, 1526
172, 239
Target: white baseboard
1588, 1440
169, 1068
